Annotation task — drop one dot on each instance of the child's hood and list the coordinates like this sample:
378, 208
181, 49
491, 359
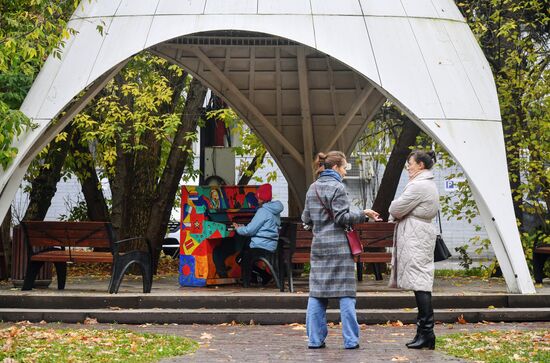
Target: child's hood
274, 207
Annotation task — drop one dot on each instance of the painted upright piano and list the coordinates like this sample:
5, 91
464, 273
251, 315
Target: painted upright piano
207, 214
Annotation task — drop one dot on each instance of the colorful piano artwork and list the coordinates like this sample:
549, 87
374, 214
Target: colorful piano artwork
207, 214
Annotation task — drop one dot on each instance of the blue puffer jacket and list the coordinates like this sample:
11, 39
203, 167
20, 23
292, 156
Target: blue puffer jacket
264, 227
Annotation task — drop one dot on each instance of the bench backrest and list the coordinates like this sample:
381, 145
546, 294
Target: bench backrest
379, 234
68, 234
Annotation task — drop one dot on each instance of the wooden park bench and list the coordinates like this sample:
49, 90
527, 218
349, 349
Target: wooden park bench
540, 255
71, 242
374, 237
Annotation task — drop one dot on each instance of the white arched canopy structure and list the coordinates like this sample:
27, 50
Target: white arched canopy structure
306, 75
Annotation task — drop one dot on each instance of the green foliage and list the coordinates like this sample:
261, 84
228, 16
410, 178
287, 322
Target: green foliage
29, 31
464, 257
131, 108
77, 211
33, 344
14, 123
528, 241
515, 38
376, 143
381, 135
498, 346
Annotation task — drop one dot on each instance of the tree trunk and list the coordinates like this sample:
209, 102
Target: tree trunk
252, 167
120, 190
120, 183
512, 126
44, 186
143, 186
168, 185
392, 173
91, 187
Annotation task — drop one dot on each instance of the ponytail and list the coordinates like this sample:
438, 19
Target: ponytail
327, 161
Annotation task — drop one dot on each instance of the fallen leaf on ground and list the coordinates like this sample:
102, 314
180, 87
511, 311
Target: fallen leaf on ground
394, 323
90, 321
206, 336
8, 345
400, 358
461, 319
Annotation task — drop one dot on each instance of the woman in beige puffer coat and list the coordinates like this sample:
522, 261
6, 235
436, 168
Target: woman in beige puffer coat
414, 242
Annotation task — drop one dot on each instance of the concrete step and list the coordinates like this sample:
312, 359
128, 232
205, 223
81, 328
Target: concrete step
262, 316
273, 301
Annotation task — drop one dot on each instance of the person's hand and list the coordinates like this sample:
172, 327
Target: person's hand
373, 215
236, 225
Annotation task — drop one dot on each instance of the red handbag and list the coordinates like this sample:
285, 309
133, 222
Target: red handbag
355, 245
352, 236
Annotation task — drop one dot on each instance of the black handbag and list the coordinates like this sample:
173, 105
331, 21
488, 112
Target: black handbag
441, 252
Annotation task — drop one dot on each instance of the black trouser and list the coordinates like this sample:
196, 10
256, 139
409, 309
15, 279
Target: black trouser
226, 248
249, 255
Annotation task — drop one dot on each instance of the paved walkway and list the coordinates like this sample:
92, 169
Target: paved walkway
275, 343
379, 343
168, 285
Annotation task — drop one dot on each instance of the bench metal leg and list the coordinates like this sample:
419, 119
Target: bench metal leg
290, 277
121, 265
33, 268
274, 272
359, 271
377, 272
538, 266
61, 271
147, 274
281, 271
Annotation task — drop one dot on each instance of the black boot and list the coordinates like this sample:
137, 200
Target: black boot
417, 322
426, 336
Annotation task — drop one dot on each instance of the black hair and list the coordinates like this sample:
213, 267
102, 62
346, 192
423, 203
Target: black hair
426, 157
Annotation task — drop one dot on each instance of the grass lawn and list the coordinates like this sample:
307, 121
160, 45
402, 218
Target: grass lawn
34, 344
498, 346
472, 272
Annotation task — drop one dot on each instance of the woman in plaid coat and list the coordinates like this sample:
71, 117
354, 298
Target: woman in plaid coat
332, 275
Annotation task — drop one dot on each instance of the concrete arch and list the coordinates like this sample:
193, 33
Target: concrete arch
419, 53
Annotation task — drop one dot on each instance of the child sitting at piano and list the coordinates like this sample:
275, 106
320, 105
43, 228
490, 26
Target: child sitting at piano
263, 231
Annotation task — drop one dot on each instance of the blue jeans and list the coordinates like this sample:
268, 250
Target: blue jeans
316, 321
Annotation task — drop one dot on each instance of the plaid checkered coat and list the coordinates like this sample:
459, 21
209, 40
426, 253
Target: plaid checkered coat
332, 271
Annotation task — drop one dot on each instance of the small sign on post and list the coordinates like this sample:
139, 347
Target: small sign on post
451, 185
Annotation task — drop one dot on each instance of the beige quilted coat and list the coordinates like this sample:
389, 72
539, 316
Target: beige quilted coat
414, 239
